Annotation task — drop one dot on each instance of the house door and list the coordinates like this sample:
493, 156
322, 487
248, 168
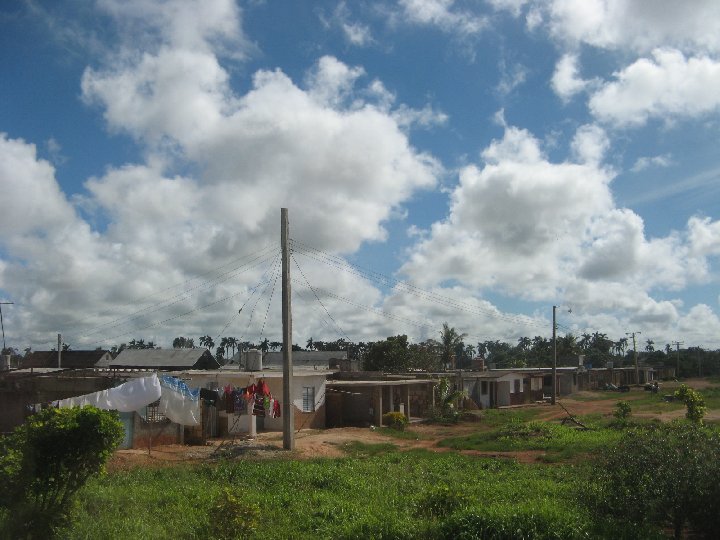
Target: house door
127, 421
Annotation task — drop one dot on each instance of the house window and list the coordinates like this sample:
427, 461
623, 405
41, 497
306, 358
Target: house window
536, 383
484, 388
152, 413
516, 386
308, 396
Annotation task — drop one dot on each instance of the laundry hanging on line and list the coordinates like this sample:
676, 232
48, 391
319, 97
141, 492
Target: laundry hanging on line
255, 399
178, 402
129, 396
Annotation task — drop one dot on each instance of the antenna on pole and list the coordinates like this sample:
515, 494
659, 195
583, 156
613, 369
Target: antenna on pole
288, 412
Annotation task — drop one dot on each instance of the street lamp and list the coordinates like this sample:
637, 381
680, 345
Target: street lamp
554, 368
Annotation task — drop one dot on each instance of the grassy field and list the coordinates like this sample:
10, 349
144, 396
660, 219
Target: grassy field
376, 492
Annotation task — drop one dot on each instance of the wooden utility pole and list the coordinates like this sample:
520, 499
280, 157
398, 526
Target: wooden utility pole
554, 395
59, 350
637, 369
677, 358
288, 412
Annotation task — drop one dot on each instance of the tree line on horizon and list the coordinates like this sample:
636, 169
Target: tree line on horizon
451, 351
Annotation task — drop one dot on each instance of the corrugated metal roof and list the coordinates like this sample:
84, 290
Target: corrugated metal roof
68, 359
198, 358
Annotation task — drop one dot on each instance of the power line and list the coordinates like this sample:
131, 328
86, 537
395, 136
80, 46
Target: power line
318, 299
252, 293
402, 286
123, 321
255, 254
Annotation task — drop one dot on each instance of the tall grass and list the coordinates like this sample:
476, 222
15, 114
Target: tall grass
372, 497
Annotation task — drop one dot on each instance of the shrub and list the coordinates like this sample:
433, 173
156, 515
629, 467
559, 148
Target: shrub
44, 462
694, 402
622, 410
663, 475
395, 420
231, 517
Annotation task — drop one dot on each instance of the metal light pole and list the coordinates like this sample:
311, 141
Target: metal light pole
1, 322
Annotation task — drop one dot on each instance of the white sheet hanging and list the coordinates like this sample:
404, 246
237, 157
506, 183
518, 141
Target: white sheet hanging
179, 403
127, 397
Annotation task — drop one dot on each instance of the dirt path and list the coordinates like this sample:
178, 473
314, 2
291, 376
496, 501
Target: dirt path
311, 444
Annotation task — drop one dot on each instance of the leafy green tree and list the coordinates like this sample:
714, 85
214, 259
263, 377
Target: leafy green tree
663, 475
390, 355
424, 356
44, 462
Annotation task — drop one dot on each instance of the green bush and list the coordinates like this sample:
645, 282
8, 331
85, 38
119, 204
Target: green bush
694, 402
663, 476
231, 517
395, 420
44, 462
622, 410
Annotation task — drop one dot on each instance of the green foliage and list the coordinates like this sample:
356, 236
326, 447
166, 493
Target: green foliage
694, 402
389, 355
622, 410
563, 441
440, 501
519, 521
231, 517
361, 449
395, 420
363, 497
663, 475
48, 459
446, 397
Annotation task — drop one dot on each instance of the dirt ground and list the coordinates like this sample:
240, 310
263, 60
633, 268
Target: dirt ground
310, 443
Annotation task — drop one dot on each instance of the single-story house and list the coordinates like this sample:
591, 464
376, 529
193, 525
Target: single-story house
162, 359
67, 359
361, 398
308, 391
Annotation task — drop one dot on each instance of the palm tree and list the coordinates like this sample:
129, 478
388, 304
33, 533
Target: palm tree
265, 345
650, 347
621, 346
449, 338
207, 341
585, 341
310, 345
232, 343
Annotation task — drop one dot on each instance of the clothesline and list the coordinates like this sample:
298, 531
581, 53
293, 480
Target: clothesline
178, 402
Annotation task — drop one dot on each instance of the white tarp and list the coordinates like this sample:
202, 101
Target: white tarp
127, 397
179, 403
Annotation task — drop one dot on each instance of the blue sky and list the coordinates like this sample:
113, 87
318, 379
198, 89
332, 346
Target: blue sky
501, 157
